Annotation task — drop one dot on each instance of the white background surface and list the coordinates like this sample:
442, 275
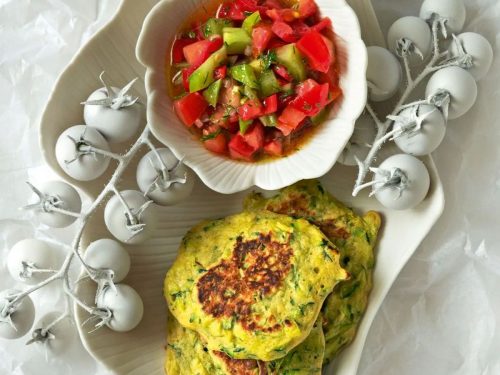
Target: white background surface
441, 316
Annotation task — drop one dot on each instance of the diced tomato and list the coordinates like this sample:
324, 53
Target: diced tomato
255, 136
239, 149
274, 147
190, 108
198, 29
306, 86
275, 43
217, 144
311, 102
186, 72
230, 96
290, 119
223, 10
325, 23
261, 35
284, 100
286, 15
270, 104
220, 72
334, 93
282, 72
197, 53
300, 27
307, 8
249, 6
316, 51
331, 48
284, 31
250, 110
273, 4
177, 49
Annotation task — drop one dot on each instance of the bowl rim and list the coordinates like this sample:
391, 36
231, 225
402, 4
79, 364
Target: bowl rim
153, 94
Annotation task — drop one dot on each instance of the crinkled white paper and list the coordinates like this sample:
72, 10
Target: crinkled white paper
440, 317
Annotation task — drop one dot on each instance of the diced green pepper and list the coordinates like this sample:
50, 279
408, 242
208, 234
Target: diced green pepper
250, 93
236, 40
211, 94
250, 22
290, 57
214, 26
244, 125
204, 75
269, 120
244, 73
269, 85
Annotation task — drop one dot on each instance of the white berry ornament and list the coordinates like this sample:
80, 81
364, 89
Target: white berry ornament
125, 305
53, 334
113, 112
77, 153
58, 203
359, 145
474, 52
108, 254
17, 320
401, 182
420, 129
383, 74
130, 217
31, 261
163, 178
412, 36
452, 11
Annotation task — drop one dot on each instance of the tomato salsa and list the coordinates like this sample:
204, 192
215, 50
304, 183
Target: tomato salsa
252, 78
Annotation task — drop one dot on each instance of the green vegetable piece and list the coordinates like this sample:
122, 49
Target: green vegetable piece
204, 75
290, 57
268, 59
257, 65
235, 40
245, 74
250, 93
269, 120
244, 125
320, 117
214, 26
250, 22
211, 94
269, 85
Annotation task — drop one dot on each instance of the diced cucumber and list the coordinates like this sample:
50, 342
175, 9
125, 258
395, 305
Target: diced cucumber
256, 64
204, 75
235, 40
244, 73
211, 94
268, 83
214, 26
250, 22
250, 93
269, 120
290, 57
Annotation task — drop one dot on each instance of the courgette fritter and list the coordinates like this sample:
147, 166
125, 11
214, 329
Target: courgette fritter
252, 285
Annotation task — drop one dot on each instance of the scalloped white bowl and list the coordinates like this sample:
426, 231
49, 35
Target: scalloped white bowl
221, 174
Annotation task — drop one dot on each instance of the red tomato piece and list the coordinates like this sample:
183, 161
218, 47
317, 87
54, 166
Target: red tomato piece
198, 52
284, 31
307, 8
223, 10
250, 110
249, 5
217, 144
186, 72
274, 147
275, 43
273, 4
290, 119
325, 23
220, 72
284, 101
190, 108
261, 36
255, 136
306, 86
239, 149
282, 72
313, 101
179, 44
316, 51
270, 104
198, 29
300, 27
286, 15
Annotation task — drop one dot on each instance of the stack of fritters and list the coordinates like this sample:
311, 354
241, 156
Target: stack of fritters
247, 293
